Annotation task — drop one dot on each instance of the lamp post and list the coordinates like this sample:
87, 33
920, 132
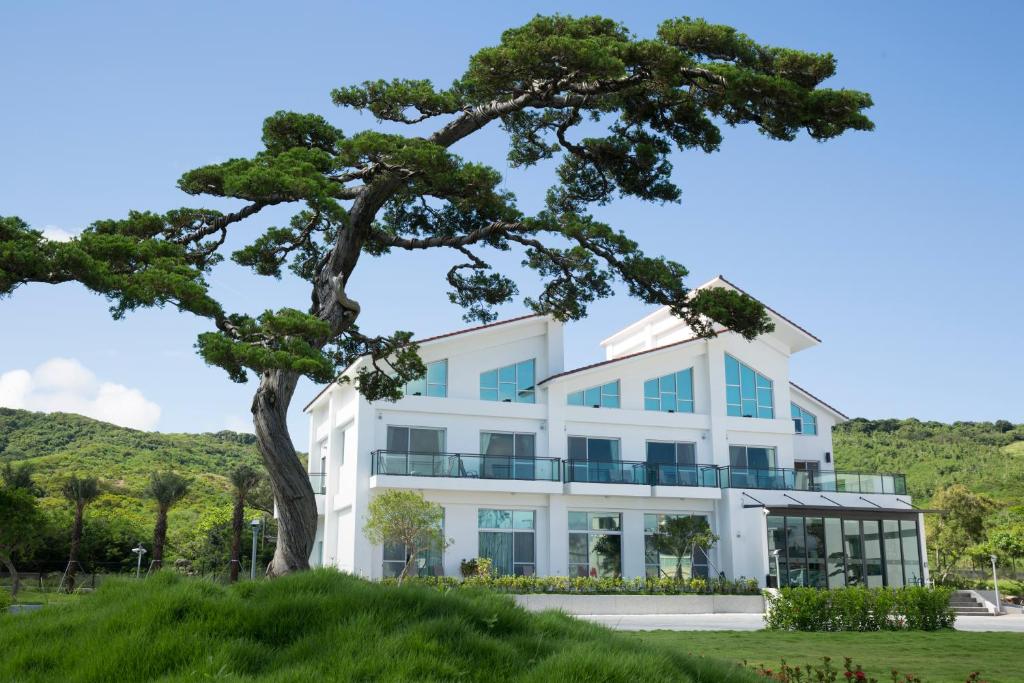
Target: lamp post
778, 572
995, 584
140, 551
255, 524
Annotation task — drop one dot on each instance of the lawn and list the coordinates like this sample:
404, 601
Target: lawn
28, 596
323, 625
940, 657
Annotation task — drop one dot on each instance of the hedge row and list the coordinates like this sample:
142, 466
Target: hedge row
589, 585
860, 609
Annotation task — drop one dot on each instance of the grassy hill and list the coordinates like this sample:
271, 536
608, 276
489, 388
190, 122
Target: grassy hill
58, 445
326, 626
986, 457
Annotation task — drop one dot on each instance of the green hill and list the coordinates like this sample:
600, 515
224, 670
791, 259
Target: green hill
328, 626
985, 457
58, 445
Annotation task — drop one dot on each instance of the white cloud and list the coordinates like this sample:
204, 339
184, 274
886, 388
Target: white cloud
55, 234
239, 423
65, 385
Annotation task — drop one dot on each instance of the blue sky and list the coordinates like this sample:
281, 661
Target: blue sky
900, 248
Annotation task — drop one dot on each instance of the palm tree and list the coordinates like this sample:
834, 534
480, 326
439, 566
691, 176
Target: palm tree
243, 479
166, 488
79, 492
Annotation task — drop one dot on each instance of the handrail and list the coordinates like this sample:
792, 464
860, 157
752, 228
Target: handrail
829, 481
464, 465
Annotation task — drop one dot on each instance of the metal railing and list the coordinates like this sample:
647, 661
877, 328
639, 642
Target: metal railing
607, 472
318, 480
684, 475
809, 480
464, 465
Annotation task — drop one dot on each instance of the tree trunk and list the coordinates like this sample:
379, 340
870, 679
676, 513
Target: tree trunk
15, 579
159, 536
236, 535
76, 542
289, 482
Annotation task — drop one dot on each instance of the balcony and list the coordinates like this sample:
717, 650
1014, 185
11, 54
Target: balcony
607, 472
684, 475
806, 480
464, 466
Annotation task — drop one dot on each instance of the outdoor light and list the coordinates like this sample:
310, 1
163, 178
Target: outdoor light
995, 584
140, 551
778, 572
255, 529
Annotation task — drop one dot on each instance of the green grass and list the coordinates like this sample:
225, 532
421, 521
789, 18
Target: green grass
938, 657
28, 596
323, 626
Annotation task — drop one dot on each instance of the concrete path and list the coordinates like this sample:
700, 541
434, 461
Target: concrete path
755, 622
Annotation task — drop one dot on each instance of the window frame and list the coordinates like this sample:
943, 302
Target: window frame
590, 531
802, 415
427, 384
520, 394
754, 396
602, 396
659, 519
677, 402
513, 531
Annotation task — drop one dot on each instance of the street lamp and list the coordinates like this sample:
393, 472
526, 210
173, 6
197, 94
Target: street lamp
140, 551
255, 524
778, 573
995, 584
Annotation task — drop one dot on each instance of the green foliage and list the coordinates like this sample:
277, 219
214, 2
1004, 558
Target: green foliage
323, 625
58, 446
167, 488
404, 517
859, 609
587, 585
5, 601
81, 491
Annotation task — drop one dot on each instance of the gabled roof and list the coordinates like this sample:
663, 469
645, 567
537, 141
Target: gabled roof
425, 340
622, 358
814, 398
717, 281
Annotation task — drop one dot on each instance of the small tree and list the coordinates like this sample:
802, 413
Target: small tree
961, 525
20, 522
679, 536
79, 492
243, 480
405, 517
166, 488
20, 477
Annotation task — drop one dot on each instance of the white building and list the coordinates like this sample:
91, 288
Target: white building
558, 471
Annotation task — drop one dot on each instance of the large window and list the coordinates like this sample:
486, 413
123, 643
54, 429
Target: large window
604, 396
662, 565
510, 384
748, 393
596, 461
752, 457
674, 463
509, 455
412, 451
804, 422
834, 552
507, 538
595, 544
593, 449
434, 383
671, 393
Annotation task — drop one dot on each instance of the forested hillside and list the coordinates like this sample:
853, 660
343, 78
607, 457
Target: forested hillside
58, 445
985, 457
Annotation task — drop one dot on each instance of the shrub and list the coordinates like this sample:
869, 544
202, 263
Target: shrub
5, 601
589, 585
859, 609
787, 673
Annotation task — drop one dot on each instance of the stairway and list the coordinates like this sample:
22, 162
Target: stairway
965, 604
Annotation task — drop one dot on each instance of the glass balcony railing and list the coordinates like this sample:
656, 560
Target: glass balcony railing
318, 480
807, 480
684, 475
465, 466
607, 472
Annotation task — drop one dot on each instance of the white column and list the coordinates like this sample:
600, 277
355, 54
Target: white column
633, 564
558, 537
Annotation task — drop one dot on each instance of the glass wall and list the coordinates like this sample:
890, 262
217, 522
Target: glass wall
595, 544
832, 552
748, 393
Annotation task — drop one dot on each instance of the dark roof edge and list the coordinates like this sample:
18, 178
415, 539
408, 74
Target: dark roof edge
772, 310
626, 357
827, 405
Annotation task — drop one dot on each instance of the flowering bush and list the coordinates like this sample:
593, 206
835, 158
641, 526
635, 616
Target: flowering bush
860, 609
826, 673
591, 585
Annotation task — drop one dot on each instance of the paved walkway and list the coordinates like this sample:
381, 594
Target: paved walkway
755, 622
